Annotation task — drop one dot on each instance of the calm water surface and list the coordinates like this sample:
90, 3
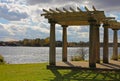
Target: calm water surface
20, 55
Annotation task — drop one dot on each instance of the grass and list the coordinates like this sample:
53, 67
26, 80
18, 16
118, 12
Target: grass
38, 72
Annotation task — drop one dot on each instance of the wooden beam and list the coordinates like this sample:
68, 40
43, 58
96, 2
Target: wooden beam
64, 44
105, 44
99, 14
46, 11
97, 42
108, 18
73, 23
59, 10
52, 52
86, 9
92, 40
43, 14
115, 45
78, 16
64, 15
113, 24
94, 8
65, 10
79, 9
74, 18
72, 9
53, 11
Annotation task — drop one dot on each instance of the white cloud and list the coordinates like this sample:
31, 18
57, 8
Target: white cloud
3, 31
19, 31
13, 12
25, 20
105, 5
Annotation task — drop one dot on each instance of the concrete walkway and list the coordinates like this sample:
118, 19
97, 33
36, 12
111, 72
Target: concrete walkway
113, 65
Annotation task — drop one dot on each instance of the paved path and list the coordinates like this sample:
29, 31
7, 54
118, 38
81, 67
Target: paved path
83, 64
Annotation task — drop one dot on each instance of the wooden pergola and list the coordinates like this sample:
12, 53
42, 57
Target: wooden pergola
115, 26
78, 17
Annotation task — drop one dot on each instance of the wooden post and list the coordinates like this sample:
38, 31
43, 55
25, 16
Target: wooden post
97, 47
92, 55
105, 44
115, 46
52, 51
64, 45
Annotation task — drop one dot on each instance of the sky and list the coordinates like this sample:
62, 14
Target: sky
20, 19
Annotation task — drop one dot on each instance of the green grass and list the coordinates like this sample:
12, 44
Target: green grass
38, 72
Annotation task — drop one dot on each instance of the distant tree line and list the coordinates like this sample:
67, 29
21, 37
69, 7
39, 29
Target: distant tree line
45, 43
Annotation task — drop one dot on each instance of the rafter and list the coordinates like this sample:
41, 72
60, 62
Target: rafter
109, 18
94, 8
72, 9
113, 24
73, 23
79, 17
65, 10
59, 10
46, 11
86, 9
79, 9
53, 11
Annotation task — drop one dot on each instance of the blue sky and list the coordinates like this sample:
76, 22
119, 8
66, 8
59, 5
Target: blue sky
21, 19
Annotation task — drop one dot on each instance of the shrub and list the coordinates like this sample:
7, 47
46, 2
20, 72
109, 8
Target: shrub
80, 55
119, 56
77, 58
112, 58
2, 59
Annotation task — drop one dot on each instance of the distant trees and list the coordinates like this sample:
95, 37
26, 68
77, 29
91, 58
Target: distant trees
46, 42
26, 42
36, 42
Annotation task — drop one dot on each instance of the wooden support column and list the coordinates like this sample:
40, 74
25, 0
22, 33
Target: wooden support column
64, 45
52, 50
97, 47
105, 44
115, 45
92, 55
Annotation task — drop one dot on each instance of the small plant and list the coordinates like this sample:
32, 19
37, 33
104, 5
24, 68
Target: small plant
81, 53
119, 56
112, 58
2, 59
76, 58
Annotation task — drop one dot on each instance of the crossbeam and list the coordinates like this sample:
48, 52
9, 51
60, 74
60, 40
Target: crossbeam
72, 9
87, 9
53, 11
46, 11
94, 8
79, 9
65, 10
69, 17
59, 10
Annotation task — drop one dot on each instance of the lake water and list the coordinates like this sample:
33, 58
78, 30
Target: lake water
20, 55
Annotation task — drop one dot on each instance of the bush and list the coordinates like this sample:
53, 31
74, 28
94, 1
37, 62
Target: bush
112, 58
2, 59
80, 55
119, 56
77, 58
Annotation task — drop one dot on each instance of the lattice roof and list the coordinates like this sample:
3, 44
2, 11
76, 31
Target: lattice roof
114, 24
75, 17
